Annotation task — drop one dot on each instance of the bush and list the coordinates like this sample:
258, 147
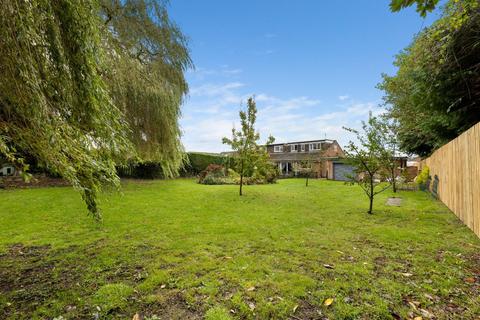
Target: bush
423, 176
215, 174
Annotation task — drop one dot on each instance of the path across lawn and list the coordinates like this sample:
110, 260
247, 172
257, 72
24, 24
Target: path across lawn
179, 250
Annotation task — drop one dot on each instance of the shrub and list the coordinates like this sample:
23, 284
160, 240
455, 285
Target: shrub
422, 178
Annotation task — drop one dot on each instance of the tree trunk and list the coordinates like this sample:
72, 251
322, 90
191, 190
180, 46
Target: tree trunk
241, 177
306, 182
394, 183
241, 183
370, 210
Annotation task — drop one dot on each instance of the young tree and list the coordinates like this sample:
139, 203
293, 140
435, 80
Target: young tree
387, 131
367, 157
244, 142
306, 166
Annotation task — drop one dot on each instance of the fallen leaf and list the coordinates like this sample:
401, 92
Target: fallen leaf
163, 286
406, 274
328, 302
328, 266
228, 258
427, 314
429, 297
418, 318
295, 308
137, 317
251, 289
470, 280
412, 305
251, 305
341, 252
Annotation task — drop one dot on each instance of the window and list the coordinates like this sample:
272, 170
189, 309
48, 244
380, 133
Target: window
277, 148
9, 171
302, 147
293, 147
314, 146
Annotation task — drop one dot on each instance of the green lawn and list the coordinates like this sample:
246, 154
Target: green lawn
180, 250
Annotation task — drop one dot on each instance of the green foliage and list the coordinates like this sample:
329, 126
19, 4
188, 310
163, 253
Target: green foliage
147, 58
368, 158
112, 296
214, 174
197, 162
249, 155
423, 6
217, 313
423, 176
141, 170
86, 86
54, 104
434, 95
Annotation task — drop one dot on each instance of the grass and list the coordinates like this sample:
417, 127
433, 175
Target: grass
180, 250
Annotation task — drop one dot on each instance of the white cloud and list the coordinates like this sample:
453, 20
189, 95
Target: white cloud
343, 98
212, 111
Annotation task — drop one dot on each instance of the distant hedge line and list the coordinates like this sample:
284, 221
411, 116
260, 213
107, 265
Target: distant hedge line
196, 163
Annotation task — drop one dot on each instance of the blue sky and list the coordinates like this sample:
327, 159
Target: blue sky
312, 65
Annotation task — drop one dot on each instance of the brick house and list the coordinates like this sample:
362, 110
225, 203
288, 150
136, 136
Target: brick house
325, 156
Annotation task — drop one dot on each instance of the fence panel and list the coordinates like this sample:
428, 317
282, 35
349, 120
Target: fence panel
457, 166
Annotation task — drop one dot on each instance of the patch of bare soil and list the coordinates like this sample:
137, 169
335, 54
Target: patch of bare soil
395, 202
307, 311
28, 278
174, 306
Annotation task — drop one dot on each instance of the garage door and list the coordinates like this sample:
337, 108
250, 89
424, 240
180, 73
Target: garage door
341, 171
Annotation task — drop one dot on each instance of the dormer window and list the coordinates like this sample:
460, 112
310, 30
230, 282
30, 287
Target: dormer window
277, 148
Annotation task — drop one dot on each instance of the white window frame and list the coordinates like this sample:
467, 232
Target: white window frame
314, 146
277, 148
302, 147
294, 148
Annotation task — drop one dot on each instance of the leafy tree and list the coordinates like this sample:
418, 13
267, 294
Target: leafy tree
248, 153
434, 95
423, 6
78, 93
306, 166
147, 57
367, 157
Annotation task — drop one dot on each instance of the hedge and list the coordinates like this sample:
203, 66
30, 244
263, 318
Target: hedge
196, 163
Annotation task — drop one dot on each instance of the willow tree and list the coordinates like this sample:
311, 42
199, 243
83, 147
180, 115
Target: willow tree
83, 88
148, 56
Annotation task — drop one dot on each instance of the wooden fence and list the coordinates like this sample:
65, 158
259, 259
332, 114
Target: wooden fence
456, 165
